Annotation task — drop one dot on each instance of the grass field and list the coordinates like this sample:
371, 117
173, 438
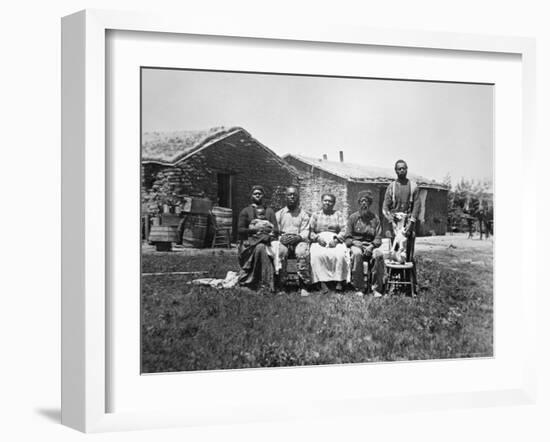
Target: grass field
188, 327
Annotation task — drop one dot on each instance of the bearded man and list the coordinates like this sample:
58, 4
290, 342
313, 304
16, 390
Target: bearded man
364, 237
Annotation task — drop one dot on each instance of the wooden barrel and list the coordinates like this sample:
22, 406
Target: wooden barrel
194, 231
163, 237
223, 217
163, 234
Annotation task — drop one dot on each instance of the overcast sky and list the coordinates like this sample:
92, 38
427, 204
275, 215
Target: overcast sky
438, 128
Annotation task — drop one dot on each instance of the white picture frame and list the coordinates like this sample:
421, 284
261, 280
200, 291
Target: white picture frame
85, 233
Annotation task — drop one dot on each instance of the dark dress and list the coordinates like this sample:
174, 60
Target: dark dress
257, 268
366, 236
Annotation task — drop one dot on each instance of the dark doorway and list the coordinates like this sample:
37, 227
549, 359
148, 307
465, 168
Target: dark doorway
224, 190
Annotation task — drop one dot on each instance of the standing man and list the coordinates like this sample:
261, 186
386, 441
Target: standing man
402, 200
294, 229
483, 223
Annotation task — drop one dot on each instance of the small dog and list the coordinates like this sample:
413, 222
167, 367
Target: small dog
399, 245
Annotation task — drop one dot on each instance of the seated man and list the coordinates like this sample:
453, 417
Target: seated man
294, 230
364, 237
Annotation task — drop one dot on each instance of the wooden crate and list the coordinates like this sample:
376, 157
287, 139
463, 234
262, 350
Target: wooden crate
201, 206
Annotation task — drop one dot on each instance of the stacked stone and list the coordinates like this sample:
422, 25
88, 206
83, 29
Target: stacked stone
314, 186
243, 158
196, 176
169, 186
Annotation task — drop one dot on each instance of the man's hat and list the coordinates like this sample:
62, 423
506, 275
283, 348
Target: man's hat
365, 194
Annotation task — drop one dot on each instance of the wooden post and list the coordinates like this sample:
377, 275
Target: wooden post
145, 221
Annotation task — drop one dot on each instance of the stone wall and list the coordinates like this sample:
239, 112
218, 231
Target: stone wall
246, 161
315, 182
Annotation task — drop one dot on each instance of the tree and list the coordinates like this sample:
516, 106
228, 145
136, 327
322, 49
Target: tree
467, 200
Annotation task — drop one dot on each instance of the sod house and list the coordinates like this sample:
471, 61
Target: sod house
221, 164
346, 180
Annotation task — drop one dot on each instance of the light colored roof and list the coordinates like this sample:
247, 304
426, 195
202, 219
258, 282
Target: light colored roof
361, 173
172, 147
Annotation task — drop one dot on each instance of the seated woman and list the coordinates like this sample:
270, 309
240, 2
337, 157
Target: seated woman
328, 254
364, 237
257, 228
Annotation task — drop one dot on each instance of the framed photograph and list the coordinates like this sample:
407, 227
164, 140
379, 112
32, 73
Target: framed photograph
264, 222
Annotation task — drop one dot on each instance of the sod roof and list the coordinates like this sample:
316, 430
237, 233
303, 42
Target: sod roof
359, 172
171, 147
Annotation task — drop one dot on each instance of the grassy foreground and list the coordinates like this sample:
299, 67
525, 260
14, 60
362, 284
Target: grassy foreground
188, 327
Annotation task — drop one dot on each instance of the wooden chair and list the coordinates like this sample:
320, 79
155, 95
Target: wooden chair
292, 272
291, 276
221, 236
402, 277
367, 275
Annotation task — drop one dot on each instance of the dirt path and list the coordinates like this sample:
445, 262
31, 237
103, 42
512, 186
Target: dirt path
457, 241
454, 251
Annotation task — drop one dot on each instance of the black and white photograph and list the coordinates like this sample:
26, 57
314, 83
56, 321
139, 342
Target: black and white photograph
304, 220
289, 222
